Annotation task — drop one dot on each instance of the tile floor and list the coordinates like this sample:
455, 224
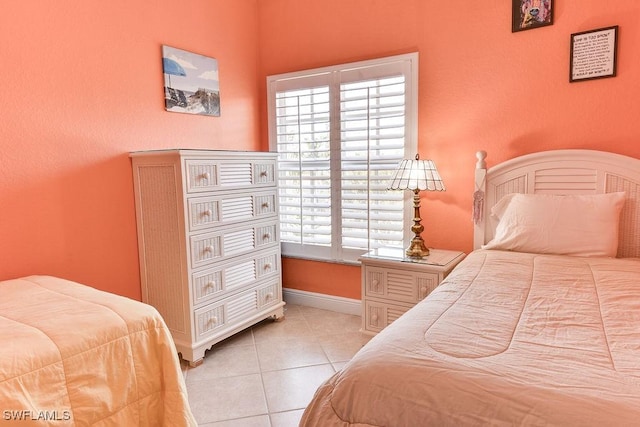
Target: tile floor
266, 375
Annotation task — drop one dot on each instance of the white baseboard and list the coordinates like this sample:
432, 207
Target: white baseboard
323, 301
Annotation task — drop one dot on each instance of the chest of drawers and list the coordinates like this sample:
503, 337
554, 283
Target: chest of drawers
208, 242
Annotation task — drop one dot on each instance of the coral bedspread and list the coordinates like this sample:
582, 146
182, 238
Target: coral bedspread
507, 339
73, 355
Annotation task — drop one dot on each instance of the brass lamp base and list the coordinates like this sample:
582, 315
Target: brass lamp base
417, 248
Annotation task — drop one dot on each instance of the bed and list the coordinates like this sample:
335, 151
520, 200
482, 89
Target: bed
538, 326
74, 355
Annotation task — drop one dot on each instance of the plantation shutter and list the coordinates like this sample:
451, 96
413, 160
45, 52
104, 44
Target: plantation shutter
340, 134
303, 144
372, 141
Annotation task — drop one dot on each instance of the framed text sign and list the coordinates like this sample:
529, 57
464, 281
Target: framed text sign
593, 54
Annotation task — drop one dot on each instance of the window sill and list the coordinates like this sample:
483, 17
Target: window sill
330, 261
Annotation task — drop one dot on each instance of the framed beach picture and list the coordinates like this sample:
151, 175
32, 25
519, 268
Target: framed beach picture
529, 14
191, 82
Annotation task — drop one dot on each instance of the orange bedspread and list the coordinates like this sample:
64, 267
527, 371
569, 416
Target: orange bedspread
74, 355
507, 339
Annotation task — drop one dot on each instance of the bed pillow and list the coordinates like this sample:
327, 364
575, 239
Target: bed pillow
582, 225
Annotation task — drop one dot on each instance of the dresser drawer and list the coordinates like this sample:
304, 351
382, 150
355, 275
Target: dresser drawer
268, 295
235, 309
224, 278
266, 235
223, 210
399, 285
209, 174
378, 315
264, 204
222, 244
209, 319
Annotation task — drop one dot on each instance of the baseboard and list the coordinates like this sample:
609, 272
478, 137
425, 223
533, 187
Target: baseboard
323, 301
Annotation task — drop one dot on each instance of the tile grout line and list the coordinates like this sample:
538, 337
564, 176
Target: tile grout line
264, 389
315, 335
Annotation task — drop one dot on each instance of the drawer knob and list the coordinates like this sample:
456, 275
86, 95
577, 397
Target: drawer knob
267, 266
209, 249
374, 319
208, 212
423, 289
263, 173
268, 296
213, 321
266, 236
206, 175
210, 284
265, 205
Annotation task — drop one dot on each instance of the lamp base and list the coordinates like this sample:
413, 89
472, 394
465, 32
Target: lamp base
417, 249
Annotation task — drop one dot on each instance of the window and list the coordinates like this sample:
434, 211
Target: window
340, 132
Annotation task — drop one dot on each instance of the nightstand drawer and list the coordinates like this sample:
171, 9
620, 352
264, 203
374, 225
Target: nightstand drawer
399, 285
378, 315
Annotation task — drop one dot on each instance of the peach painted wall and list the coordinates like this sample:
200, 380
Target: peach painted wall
481, 87
81, 87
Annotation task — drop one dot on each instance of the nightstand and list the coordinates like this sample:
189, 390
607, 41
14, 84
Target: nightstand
393, 283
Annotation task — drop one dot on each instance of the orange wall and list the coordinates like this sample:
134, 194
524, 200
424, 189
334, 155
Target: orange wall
81, 86
481, 87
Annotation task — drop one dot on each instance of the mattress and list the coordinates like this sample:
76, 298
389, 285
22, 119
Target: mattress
74, 355
507, 339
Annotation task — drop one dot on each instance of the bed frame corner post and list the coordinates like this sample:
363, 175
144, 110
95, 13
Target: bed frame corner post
481, 163
479, 195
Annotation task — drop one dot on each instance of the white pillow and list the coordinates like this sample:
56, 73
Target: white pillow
582, 225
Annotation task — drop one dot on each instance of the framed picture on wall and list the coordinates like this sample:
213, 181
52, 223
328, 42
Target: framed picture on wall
529, 14
593, 54
191, 82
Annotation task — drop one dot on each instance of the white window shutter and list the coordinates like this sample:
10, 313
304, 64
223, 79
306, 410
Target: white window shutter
340, 133
372, 144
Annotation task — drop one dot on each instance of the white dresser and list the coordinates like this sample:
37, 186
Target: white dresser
208, 242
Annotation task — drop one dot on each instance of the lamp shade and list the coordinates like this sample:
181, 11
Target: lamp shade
417, 175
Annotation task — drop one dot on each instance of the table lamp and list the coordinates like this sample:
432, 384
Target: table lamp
417, 175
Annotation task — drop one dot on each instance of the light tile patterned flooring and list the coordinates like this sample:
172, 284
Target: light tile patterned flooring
266, 375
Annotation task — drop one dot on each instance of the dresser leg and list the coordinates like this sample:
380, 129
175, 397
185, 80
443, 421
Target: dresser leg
195, 363
278, 316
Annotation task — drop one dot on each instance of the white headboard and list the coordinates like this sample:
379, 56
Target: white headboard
563, 172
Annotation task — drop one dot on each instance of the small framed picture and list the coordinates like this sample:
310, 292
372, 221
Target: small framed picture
593, 54
191, 82
529, 14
